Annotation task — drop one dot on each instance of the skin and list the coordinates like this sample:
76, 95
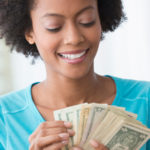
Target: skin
66, 84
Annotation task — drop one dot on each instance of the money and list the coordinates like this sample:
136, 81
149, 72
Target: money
113, 126
69, 114
85, 110
127, 138
96, 112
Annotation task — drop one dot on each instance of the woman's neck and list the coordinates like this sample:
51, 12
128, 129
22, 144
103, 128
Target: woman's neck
56, 93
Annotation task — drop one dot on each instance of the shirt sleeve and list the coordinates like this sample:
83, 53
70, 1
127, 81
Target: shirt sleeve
2, 132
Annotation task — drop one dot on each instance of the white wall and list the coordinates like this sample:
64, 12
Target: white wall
124, 53
5, 67
24, 73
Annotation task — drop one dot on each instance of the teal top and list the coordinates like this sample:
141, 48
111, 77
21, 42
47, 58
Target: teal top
19, 116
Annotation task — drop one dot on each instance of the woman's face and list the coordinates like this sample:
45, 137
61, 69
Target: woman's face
67, 35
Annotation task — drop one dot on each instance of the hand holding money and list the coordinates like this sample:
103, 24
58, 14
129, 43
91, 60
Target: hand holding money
96, 145
109, 125
50, 135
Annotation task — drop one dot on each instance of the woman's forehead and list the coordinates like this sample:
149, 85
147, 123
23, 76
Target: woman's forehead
62, 5
66, 8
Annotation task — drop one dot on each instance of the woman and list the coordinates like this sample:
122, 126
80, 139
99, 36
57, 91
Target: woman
66, 35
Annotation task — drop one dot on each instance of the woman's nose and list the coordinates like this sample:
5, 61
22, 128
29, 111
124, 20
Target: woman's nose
73, 36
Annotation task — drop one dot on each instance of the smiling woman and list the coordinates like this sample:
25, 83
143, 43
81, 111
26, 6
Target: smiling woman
66, 34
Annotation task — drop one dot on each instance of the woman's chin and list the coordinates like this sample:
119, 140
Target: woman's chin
76, 75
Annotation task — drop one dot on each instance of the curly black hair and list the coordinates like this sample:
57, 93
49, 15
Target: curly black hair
15, 21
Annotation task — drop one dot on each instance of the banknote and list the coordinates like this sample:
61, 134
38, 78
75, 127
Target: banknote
76, 124
96, 112
127, 138
68, 114
85, 110
113, 126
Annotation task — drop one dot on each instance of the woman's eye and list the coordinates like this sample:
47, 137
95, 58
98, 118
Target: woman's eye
88, 24
54, 29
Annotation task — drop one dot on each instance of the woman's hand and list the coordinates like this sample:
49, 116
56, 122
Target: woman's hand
98, 146
95, 144
51, 135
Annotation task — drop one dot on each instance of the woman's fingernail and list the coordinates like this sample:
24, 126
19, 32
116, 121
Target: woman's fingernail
71, 132
65, 142
64, 135
94, 143
68, 124
76, 148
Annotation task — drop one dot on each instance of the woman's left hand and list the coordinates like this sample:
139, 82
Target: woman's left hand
95, 144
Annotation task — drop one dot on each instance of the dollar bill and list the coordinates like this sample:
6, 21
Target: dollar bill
85, 110
128, 138
58, 116
95, 113
69, 114
113, 126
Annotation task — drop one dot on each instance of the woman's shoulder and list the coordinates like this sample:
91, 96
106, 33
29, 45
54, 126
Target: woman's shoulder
132, 88
16, 100
131, 82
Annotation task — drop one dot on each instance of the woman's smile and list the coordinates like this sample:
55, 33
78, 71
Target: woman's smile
74, 57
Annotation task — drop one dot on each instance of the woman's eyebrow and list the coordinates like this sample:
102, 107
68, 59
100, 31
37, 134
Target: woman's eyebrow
60, 15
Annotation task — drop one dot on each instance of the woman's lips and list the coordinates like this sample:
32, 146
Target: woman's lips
74, 57
73, 52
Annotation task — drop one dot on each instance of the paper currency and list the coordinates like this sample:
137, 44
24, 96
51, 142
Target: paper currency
84, 113
111, 125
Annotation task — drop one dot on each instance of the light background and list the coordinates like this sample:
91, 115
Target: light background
124, 53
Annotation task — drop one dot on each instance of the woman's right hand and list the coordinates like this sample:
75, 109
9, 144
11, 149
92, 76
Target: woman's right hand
51, 135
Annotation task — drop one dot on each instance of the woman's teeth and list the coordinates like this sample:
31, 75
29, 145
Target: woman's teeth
73, 56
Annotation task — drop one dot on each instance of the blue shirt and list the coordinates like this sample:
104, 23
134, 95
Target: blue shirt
19, 116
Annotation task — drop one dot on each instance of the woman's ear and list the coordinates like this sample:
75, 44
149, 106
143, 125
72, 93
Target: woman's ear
29, 37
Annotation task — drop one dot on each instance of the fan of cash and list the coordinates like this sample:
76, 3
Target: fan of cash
111, 125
